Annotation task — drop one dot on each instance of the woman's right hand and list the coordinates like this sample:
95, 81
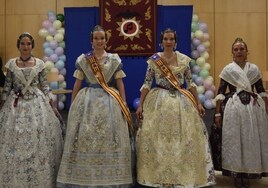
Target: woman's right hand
218, 121
139, 112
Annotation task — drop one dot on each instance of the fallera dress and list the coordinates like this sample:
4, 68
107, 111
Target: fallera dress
97, 151
245, 122
172, 144
31, 140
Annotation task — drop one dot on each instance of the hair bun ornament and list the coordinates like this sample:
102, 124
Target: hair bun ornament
239, 39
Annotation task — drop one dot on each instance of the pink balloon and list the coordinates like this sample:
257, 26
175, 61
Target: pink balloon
63, 71
208, 83
61, 78
54, 70
206, 36
46, 24
51, 30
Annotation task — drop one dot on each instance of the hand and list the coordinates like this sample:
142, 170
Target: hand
139, 112
201, 110
218, 121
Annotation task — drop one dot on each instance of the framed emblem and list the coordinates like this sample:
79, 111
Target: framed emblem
130, 26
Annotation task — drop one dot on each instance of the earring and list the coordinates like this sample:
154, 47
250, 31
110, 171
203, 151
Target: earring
175, 46
92, 46
161, 46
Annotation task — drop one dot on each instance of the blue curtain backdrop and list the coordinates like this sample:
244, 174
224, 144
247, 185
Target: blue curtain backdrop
80, 21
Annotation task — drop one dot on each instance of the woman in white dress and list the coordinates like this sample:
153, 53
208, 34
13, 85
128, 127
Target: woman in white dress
97, 150
31, 140
242, 113
172, 144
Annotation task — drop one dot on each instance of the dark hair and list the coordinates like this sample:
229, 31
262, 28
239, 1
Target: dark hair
25, 34
239, 40
97, 28
168, 30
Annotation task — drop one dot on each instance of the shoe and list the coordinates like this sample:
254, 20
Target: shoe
238, 183
245, 182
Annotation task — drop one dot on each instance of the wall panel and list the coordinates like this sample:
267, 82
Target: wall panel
18, 24
226, 19
2, 29
75, 3
250, 26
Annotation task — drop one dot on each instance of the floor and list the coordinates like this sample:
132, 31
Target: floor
226, 182
222, 181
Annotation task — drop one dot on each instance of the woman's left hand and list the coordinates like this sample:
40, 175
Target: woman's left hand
201, 110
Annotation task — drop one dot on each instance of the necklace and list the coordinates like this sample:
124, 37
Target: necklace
104, 55
169, 59
25, 60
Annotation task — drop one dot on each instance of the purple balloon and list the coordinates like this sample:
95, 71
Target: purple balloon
199, 81
59, 51
203, 27
196, 69
209, 94
208, 104
196, 42
201, 48
195, 54
54, 57
53, 44
60, 105
52, 18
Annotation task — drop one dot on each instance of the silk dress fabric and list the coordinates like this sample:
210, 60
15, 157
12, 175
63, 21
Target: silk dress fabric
245, 127
31, 140
172, 144
97, 150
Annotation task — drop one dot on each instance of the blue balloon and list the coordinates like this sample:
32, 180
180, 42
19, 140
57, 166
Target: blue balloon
136, 103
54, 85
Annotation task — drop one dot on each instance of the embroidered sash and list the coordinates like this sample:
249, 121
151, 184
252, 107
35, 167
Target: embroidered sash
162, 65
92, 61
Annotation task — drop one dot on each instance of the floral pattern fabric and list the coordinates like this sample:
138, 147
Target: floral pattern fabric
172, 144
245, 125
31, 140
97, 150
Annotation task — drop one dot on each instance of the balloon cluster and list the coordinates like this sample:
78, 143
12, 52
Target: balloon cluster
53, 32
199, 64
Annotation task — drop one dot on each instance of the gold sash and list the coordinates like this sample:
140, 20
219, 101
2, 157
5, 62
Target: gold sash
92, 61
162, 65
